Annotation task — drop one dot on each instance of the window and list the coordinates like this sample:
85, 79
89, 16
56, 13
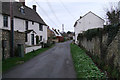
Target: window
40, 38
26, 25
5, 20
22, 10
32, 22
26, 37
40, 27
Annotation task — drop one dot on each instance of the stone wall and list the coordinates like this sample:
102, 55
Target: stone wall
19, 38
6, 38
98, 47
113, 51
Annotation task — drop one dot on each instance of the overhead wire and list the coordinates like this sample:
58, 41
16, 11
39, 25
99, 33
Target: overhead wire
67, 9
52, 10
45, 12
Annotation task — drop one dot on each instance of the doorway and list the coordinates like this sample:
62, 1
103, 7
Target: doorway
32, 39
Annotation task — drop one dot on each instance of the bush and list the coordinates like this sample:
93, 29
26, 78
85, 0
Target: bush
90, 33
46, 45
112, 31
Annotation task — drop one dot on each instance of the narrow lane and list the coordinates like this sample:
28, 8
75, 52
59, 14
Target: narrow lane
54, 63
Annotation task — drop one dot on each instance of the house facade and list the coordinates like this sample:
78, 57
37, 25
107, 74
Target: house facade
35, 33
88, 21
29, 28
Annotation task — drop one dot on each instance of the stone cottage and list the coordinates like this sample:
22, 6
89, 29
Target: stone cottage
29, 28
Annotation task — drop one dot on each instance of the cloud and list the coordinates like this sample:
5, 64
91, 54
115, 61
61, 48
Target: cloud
75, 0
76, 7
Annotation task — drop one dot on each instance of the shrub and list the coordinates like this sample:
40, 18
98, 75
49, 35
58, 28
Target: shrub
46, 45
112, 31
90, 33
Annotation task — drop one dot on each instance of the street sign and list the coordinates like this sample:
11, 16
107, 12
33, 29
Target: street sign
119, 5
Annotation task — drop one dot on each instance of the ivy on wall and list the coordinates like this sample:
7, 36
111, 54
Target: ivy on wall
105, 65
112, 32
97, 32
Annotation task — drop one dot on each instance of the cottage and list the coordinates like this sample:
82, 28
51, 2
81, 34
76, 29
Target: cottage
58, 35
29, 28
88, 21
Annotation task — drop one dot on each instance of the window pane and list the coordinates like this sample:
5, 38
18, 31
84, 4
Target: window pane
5, 21
26, 25
40, 27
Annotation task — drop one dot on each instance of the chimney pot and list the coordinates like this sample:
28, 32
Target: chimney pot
34, 7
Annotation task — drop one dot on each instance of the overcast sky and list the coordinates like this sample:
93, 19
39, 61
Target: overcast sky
58, 12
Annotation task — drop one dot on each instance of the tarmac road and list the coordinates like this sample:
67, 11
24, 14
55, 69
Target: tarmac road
54, 63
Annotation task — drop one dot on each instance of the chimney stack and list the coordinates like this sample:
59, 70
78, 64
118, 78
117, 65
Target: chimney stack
34, 7
23, 2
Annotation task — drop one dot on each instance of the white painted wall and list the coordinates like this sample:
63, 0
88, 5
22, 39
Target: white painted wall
19, 24
45, 38
30, 49
89, 21
35, 27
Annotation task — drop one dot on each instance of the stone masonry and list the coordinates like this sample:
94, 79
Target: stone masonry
19, 38
112, 51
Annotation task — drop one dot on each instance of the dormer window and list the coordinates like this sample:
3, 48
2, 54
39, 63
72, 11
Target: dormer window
22, 10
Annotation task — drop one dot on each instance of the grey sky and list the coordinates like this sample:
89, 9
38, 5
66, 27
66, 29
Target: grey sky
49, 10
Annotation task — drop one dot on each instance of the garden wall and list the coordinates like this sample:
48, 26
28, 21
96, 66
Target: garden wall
100, 46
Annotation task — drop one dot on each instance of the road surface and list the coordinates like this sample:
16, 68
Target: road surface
54, 63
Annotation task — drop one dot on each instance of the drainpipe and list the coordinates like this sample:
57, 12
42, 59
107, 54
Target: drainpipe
12, 30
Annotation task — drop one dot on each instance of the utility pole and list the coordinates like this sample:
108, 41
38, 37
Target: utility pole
12, 30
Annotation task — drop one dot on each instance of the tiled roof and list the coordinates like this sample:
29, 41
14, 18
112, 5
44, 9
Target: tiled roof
29, 14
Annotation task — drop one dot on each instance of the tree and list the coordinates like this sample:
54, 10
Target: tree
113, 15
69, 32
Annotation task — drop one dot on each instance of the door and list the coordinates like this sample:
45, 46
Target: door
37, 39
32, 39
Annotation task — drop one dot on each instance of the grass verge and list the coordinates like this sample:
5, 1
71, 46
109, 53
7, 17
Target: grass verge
11, 62
84, 65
